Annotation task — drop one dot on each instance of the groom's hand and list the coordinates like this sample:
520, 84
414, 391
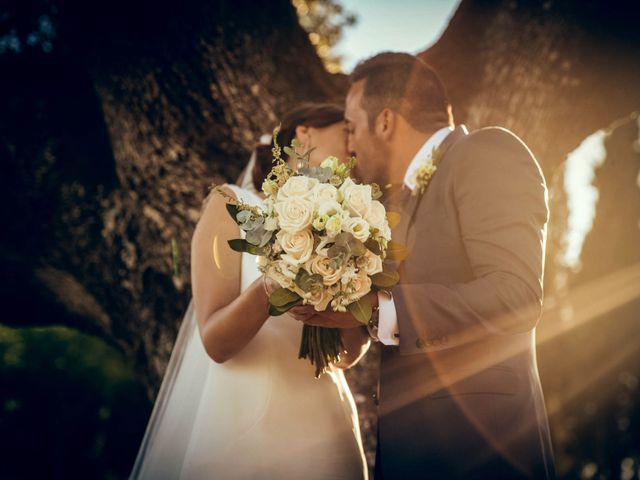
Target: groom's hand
328, 318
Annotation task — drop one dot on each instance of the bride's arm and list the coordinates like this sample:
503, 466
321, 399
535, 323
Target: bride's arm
227, 319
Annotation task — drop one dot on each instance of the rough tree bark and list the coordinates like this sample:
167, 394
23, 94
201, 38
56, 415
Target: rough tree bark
110, 141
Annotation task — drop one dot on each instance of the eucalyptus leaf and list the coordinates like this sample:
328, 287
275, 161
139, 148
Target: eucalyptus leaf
283, 297
243, 215
307, 281
386, 279
357, 247
361, 310
374, 246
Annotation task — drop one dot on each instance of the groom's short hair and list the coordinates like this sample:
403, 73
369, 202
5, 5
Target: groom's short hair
406, 84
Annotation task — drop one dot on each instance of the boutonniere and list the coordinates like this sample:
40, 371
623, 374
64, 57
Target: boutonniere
423, 174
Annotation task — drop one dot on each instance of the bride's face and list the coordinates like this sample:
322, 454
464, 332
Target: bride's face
328, 141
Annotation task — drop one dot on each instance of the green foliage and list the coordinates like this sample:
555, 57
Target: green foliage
386, 279
241, 245
361, 310
70, 401
324, 21
307, 281
282, 300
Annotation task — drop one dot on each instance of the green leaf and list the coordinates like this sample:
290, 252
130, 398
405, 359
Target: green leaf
242, 246
386, 279
396, 251
357, 247
374, 246
276, 311
290, 151
282, 297
306, 281
361, 309
394, 219
233, 211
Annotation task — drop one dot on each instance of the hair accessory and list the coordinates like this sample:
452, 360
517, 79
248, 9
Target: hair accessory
266, 139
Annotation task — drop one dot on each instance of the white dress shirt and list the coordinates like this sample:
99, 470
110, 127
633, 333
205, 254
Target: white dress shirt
388, 332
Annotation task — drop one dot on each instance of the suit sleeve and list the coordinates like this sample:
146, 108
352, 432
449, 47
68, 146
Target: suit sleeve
502, 210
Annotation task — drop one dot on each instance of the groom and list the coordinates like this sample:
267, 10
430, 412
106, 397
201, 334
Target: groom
459, 393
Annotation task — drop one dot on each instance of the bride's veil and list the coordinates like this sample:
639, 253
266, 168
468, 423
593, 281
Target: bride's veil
166, 439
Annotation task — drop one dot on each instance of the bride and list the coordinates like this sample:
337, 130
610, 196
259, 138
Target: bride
236, 402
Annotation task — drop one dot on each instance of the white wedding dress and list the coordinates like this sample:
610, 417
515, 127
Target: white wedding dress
260, 415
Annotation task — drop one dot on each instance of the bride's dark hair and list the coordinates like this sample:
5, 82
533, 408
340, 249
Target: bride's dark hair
316, 115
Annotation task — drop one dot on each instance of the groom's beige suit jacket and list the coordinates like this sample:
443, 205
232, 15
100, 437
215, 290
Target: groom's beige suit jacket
461, 392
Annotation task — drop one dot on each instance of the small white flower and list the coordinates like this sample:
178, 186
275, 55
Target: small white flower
357, 227
334, 225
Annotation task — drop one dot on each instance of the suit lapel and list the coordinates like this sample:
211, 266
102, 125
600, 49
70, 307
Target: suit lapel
412, 201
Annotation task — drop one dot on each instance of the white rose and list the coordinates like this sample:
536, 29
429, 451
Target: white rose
357, 227
357, 288
323, 192
370, 263
357, 198
322, 266
377, 217
298, 246
298, 187
294, 213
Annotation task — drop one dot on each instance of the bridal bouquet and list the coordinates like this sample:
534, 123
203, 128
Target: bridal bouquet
323, 238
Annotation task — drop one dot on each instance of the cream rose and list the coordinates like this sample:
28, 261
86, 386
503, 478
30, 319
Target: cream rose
370, 263
357, 198
274, 270
298, 187
298, 246
357, 288
294, 213
357, 227
322, 266
319, 298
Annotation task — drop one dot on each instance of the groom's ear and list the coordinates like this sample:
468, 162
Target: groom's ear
385, 124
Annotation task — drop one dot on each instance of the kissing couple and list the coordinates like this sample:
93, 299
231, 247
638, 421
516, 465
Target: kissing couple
459, 392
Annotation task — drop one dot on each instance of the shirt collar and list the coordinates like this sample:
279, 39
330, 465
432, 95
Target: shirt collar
434, 141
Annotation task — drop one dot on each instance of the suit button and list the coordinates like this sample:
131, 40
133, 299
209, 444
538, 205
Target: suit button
375, 399
420, 343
